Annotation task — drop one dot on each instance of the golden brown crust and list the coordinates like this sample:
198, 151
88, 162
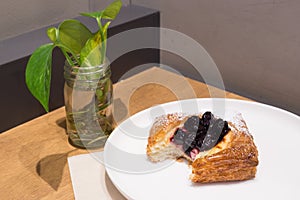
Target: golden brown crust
234, 174
237, 161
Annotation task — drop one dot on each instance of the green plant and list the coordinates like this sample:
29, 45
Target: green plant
79, 45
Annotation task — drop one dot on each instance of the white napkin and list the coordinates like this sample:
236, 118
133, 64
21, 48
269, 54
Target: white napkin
89, 179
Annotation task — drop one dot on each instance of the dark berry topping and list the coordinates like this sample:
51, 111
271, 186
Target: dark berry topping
189, 142
192, 124
219, 124
200, 134
204, 123
200, 137
178, 137
211, 138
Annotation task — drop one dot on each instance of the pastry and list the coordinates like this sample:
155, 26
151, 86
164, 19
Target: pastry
216, 149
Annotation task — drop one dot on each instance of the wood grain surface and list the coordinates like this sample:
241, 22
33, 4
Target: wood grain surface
33, 156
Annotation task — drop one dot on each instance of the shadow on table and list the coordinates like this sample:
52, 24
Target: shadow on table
50, 168
112, 190
62, 123
120, 111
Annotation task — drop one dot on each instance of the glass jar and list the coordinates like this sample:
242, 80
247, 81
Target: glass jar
88, 104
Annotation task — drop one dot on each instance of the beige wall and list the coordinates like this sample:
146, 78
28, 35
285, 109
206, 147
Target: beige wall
255, 43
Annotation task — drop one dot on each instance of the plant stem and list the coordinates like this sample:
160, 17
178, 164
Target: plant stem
63, 49
103, 40
103, 52
99, 22
70, 61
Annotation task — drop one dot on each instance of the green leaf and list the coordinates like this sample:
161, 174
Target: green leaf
90, 54
73, 35
112, 10
93, 14
52, 34
38, 74
93, 53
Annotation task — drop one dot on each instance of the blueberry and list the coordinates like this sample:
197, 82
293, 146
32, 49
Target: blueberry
225, 127
199, 140
204, 123
189, 142
218, 127
219, 123
225, 130
209, 141
213, 135
179, 137
201, 128
207, 116
192, 124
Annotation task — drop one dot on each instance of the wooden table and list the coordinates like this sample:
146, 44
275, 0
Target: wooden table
33, 156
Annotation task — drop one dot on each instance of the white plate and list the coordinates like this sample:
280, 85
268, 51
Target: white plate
276, 133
